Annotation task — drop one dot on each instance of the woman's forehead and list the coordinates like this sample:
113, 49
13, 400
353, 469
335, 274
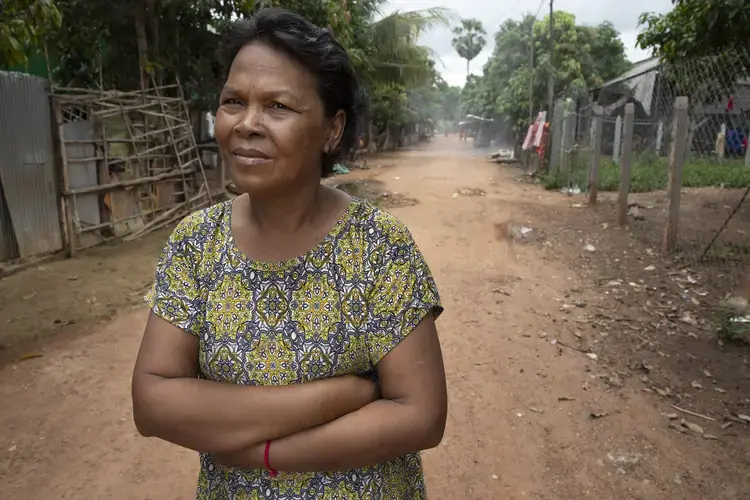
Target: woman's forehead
259, 63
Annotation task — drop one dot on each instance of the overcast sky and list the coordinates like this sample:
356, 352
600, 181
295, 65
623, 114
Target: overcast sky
622, 13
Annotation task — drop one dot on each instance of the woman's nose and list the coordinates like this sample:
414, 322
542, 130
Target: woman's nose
250, 123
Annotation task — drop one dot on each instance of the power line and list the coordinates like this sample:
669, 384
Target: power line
539, 9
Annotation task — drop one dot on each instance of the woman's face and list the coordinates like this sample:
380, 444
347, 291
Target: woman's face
271, 126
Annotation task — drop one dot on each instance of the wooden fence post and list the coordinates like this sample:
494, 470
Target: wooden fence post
568, 135
555, 150
625, 161
66, 200
676, 161
595, 154
616, 147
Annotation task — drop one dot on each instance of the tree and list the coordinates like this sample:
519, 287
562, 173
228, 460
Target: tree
705, 45
469, 40
511, 90
696, 28
393, 65
23, 25
449, 102
607, 52
122, 44
171, 38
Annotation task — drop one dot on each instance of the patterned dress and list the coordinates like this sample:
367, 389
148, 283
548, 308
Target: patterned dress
337, 310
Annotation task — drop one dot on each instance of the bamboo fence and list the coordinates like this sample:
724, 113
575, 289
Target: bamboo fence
129, 161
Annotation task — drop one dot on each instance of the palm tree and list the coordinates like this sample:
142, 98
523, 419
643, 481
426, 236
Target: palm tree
394, 55
392, 62
469, 40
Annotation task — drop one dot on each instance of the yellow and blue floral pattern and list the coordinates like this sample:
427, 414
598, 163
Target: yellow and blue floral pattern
337, 310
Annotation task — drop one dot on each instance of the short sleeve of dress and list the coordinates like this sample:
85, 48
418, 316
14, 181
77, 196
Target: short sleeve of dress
175, 295
403, 295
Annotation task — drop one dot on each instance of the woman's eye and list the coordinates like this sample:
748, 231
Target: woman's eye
278, 105
232, 102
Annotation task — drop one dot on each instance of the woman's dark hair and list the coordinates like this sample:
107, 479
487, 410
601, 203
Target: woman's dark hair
317, 50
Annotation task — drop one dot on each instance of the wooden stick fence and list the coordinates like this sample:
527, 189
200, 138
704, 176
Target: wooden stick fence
133, 156
624, 149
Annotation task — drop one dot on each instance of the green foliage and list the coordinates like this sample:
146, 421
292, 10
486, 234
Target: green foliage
23, 26
512, 90
705, 45
469, 40
179, 38
731, 327
182, 40
388, 105
605, 58
449, 101
399, 73
392, 54
650, 172
437, 102
696, 28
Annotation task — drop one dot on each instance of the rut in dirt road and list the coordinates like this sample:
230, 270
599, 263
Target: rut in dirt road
520, 418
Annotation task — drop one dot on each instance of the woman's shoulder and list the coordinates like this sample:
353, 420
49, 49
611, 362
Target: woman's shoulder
202, 225
381, 228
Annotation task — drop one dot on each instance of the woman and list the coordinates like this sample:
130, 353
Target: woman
269, 310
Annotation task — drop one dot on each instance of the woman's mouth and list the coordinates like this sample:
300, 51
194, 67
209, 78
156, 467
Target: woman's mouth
251, 156
251, 160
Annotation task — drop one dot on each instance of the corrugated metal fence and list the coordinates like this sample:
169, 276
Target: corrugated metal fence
29, 211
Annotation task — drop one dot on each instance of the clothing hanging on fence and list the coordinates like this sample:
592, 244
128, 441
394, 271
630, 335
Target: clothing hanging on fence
543, 136
535, 132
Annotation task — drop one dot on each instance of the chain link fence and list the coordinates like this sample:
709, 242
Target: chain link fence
713, 237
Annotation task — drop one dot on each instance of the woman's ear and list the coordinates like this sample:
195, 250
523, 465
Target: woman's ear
335, 130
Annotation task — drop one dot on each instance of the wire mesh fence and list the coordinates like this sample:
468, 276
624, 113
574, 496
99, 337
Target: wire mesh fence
714, 219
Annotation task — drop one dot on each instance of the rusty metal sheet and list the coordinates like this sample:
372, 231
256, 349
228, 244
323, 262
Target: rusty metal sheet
27, 163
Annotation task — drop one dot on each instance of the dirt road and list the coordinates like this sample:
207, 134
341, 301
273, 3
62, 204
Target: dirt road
529, 416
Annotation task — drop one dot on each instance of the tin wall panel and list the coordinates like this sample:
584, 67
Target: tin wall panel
27, 163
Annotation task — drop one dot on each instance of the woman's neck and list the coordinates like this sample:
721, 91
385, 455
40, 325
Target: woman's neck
286, 213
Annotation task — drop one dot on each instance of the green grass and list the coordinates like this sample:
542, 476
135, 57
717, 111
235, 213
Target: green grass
649, 172
730, 329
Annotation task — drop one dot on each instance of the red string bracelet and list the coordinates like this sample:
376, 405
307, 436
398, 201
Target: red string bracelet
271, 472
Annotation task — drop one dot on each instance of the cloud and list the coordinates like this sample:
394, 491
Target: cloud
624, 16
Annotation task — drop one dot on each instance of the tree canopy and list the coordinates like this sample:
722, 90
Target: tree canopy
23, 24
705, 45
121, 44
469, 40
696, 28
511, 89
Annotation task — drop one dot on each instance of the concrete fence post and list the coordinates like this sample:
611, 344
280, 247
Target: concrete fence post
677, 158
595, 155
625, 164
618, 138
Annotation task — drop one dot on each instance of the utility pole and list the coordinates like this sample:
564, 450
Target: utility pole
551, 80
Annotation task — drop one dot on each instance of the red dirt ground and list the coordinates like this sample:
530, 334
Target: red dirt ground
531, 415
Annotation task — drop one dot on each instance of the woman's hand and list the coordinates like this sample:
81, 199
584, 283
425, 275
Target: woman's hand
364, 388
